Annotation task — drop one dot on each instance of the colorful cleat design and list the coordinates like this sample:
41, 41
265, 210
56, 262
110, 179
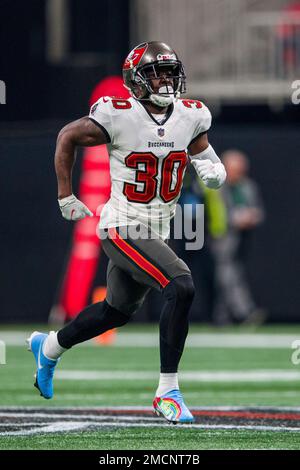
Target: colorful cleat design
45, 366
172, 407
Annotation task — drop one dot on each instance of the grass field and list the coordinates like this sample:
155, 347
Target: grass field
241, 384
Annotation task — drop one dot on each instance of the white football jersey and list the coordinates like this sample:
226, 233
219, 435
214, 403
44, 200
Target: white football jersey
147, 158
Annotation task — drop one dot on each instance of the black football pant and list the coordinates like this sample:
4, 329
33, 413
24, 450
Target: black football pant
135, 266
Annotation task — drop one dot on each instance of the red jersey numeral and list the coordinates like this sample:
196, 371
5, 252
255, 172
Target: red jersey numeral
192, 103
121, 103
170, 186
146, 176
180, 160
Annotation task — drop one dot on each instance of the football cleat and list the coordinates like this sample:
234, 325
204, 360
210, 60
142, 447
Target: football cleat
45, 366
172, 407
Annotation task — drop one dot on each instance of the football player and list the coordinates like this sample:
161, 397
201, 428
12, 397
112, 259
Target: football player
151, 138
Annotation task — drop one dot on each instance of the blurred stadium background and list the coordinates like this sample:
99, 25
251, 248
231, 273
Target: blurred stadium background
241, 59
53, 53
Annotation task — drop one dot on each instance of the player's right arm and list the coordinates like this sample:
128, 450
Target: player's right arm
81, 133
206, 162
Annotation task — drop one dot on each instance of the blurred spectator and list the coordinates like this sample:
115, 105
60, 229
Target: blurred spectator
229, 242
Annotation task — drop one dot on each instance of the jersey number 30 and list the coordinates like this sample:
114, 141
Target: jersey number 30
169, 187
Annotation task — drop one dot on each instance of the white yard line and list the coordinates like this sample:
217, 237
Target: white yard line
78, 417
49, 428
76, 426
194, 340
187, 376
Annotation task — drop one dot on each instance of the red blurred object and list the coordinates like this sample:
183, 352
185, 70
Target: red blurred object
288, 33
286, 29
110, 86
94, 190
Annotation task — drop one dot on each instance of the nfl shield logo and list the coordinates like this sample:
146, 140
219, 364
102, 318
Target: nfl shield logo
161, 132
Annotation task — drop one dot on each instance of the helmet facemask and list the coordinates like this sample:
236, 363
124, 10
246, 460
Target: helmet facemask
174, 85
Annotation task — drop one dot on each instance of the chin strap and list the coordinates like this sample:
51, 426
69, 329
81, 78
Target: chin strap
164, 97
161, 101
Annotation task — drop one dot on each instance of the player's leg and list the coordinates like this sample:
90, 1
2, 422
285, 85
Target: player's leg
124, 296
153, 263
174, 324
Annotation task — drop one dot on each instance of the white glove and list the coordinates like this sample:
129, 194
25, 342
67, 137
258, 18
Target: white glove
73, 209
212, 174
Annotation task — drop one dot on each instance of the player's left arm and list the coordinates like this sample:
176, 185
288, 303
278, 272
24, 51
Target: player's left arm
206, 162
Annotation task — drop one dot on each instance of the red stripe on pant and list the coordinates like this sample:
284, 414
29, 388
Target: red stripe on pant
139, 259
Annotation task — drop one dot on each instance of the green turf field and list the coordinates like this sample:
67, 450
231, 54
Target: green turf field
241, 383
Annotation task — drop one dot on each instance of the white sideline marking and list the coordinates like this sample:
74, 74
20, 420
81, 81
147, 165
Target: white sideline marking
94, 423
80, 417
49, 428
69, 426
194, 340
191, 376
4, 425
